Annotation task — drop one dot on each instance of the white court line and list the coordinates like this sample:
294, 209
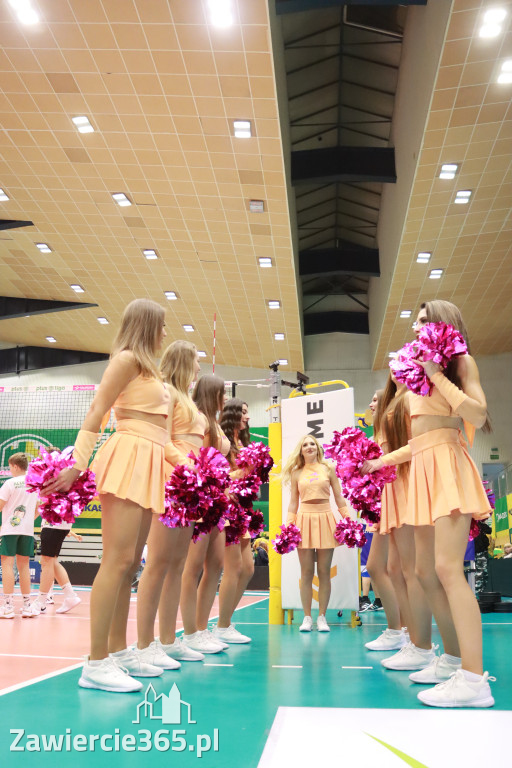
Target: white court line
357, 667
209, 664
29, 656
286, 666
38, 679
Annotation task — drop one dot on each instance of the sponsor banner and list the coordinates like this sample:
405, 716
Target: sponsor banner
52, 388
501, 515
319, 415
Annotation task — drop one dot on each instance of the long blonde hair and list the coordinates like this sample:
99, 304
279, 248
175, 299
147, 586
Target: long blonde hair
296, 459
141, 326
177, 369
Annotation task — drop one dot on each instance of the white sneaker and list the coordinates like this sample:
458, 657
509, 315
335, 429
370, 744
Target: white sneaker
213, 638
307, 624
410, 657
322, 625
6, 611
131, 660
155, 655
230, 635
30, 610
106, 675
202, 643
49, 599
438, 670
389, 640
459, 692
68, 604
406, 634
178, 650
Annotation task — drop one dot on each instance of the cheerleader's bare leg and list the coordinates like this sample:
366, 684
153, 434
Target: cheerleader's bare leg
210, 579
323, 567
378, 569
419, 621
307, 572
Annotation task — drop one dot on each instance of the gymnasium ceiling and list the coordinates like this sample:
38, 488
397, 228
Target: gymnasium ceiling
162, 86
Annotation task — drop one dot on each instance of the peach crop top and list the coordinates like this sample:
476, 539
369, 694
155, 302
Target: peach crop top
431, 405
314, 483
147, 395
224, 444
181, 424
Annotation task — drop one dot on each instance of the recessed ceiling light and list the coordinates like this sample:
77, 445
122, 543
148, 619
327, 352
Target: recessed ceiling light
121, 199
242, 129
435, 274
279, 336
3, 196
83, 124
171, 295
102, 321
505, 75
423, 257
150, 253
51, 339
201, 353
220, 13
406, 313
257, 206
77, 288
188, 328
462, 196
274, 304
491, 26
24, 11
448, 171
44, 247
283, 361
265, 261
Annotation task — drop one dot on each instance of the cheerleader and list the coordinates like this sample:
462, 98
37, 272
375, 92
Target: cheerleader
238, 559
383, 561
205, 555
129, 469
160, 583
445, 492
311, 479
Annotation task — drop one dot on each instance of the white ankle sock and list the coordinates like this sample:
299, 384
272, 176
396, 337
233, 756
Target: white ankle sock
68, 590
472, 677
395, 631
455, 660
26, 599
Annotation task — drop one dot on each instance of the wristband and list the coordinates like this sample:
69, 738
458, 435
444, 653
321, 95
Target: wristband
84, 446
400, 456
451, 393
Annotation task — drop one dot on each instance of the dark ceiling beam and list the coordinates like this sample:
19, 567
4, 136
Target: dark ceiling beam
347, 260
341, 164
336, 322
12, 306
297, 6
18, 359
14, 224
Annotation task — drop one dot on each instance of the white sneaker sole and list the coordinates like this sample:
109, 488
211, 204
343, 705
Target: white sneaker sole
483, 703
395, 647
9, 616
84, 683
63, 609
323, 629
432, 680
305, 629
227, 643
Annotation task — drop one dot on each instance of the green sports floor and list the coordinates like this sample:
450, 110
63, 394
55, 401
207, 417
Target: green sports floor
234, 700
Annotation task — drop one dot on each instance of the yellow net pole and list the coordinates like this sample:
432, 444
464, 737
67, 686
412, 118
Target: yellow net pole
275, 612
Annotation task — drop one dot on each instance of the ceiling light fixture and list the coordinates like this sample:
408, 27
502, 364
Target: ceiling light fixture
423, 257
221, 13
462, 196
24, 11
283, 361
102, 321
505, 75
491, 26
51, 339
170, 295
274, 304
279, 336
77, 288
44, 247
242, 129
3, 196
257, 206
188, 328
435, 274
121, 199
83, 124
265, 261
150, 253
201, 353
448, 171
406, 313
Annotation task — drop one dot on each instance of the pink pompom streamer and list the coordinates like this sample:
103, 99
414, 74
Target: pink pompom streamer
256, 459
239, 520
350, 532
288, 540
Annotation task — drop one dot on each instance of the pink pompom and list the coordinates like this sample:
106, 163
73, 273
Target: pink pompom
257, 459
59, 507
474, 530
288, 540
257, 523
239, 521
213, 517
350, 532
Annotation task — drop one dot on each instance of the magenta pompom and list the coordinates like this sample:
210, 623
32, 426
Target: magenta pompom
474, 530
256, 459
288, 540
257, 523
350, 532
59, 507
212, 517
239, 520
193, 488
438, 342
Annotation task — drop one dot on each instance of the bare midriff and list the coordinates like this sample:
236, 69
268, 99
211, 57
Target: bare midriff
159, 420
314, 501
422, 424
196, 440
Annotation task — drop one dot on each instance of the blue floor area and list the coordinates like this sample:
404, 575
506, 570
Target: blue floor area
233, 706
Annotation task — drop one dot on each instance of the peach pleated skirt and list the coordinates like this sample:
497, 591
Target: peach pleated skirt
443, 479
130, 465
316, 523
394, 504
